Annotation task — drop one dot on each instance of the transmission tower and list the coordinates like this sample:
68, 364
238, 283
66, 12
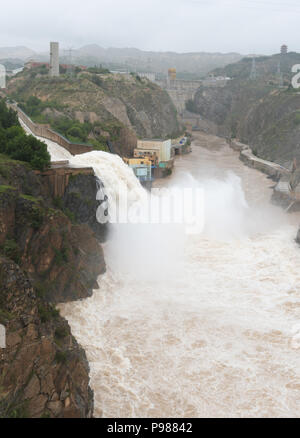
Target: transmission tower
279, 75
70, 60
253, 74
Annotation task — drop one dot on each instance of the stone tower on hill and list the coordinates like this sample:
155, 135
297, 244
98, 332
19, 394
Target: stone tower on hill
54, 59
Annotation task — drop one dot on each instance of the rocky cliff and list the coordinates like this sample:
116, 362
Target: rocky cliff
44, 372
118, 108
47, 242
46, 257
80, 200
258, 112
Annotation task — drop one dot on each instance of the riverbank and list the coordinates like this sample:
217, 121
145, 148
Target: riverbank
286, 192
274, 170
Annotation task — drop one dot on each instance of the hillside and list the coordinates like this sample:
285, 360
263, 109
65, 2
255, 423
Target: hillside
94, 108
266, 66
188, 65
20, 52
48, 254
258, 112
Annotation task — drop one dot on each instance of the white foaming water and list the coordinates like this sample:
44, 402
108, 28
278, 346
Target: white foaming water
112, 170
216, 335
204, 325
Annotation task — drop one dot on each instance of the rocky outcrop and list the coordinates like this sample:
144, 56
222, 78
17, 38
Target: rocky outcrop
21, 177
57, 252
43, 371
66, 258
47, 255
80, 199
120, 106
264, 117
229, 107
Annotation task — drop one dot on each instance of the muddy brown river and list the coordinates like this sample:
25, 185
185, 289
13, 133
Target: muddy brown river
219, 334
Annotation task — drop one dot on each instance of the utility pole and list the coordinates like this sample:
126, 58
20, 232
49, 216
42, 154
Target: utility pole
70, 59
279, 75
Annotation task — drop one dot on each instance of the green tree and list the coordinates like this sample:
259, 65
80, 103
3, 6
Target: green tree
16, 144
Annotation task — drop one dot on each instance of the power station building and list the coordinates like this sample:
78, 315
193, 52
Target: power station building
54, 59
142, 168
159, 152
162, 148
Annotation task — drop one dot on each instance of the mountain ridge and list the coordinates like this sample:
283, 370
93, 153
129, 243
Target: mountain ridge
190, 65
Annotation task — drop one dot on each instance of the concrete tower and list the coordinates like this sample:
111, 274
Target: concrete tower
54, 59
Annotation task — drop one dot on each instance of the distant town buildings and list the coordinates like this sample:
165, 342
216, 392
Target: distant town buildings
215, 81
120, 72
33, 64
284, 49
54, 59
150, 76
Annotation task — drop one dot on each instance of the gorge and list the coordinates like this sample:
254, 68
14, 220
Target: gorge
215, 334
197, 325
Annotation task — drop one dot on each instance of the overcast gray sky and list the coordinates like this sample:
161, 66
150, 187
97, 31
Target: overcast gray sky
245, 26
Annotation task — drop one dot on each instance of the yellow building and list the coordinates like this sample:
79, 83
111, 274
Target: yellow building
142, 168
149, 154
137, 161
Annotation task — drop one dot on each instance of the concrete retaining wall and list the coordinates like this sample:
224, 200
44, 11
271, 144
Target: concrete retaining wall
180, 91
57, 178
45, 132
268, 167
272, 169
237, 146
283, 194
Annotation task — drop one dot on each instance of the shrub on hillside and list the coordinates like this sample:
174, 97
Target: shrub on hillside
8, 117
16, 144
98, 70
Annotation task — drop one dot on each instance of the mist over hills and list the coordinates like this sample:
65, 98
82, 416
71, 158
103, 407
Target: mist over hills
19, 52
188, 65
